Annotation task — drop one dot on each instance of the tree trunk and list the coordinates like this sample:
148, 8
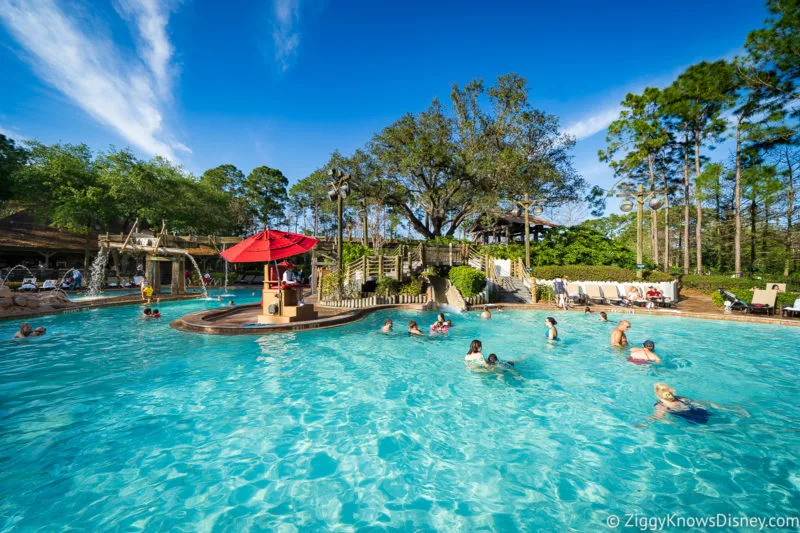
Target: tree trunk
787, 267
88, 243
654, 232
686, 200
753, 231
666, 224
316, 222
718, 232
737, 205
698, 228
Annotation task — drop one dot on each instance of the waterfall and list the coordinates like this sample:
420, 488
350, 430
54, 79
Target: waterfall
3, 280
199, 274
98, 270
226, 275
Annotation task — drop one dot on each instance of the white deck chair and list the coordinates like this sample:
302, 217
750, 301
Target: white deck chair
795, 308
28, 284
593, 293
49, 284
611, 293
763, 301
574, 293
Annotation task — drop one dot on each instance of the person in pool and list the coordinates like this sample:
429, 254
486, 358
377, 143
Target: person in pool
685, 408
644, 355
552, 332
156, 314
38, 332
439, 326
603, 316
587, 311
147, 313
387, 326
413, 328
25, 330
492, 360
486, 314
475, 355
618, 337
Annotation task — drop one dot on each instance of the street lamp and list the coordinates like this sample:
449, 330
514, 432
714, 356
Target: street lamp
640, 197
339, 190
525, 205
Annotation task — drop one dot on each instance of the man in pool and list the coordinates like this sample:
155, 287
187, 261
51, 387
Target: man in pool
413, 328
603, 316
494, 361
38, 332
486, 315
387, 326
644, 355
25, 330
618, 337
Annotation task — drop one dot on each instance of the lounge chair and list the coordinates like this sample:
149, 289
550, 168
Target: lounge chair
593, 293
49, 284
781, 287
28, 284
574, 293
735, 303
793, 309
640, 299
125, 283
611, 294
247, 279
112, 282
258, 280
763, 301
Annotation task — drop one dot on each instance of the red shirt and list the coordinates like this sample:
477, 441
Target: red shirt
653, 293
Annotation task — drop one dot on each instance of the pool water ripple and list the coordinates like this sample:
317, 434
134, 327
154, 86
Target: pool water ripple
112, 423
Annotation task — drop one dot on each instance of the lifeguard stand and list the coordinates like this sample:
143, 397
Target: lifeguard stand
280, 305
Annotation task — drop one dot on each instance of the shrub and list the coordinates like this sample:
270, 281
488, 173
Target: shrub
596, 273
330, 284
413, 287
387, 286
746, 295
352, 251
503, 251
430, 271
467, 280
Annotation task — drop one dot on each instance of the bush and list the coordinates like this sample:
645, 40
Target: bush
746, 295
710, 284
467, 280
387, 286
352, 251
503, 251
596, 273
413, 287
330, 284
430, 271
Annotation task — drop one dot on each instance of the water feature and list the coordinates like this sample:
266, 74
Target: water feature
64, 277
98, 270
199, 274
8, 275
346, 428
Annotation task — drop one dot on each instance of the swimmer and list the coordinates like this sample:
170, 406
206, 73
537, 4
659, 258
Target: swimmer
219, 298
156, 314
38, 332
552, 332
618, 337
493, 361
603, 316
486, 315
448, 323
25, 330
413, 328
147, 313
387, 326
587, 311
644, 354
684, 408
475, 354
230, 303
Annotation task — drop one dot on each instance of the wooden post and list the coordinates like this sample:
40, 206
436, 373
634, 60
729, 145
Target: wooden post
399, 267
177, 283
380, 266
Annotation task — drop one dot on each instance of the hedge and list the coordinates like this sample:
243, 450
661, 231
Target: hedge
746, 295
596, 273
387, 286
467, 280
710, 284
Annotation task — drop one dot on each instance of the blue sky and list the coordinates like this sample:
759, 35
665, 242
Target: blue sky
286, 82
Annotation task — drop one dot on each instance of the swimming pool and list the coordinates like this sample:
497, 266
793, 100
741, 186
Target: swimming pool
114, 423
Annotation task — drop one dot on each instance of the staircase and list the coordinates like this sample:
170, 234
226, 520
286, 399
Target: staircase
513, 290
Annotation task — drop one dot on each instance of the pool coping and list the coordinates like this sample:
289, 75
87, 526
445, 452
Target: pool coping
197, 322
99, 303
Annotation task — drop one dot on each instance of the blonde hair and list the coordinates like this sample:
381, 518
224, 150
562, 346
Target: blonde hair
664, 392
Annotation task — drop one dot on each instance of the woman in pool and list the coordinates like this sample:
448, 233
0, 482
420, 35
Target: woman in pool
644, 355
475, 355
413, 328
603, 316
387, 326
552, 332
685, 408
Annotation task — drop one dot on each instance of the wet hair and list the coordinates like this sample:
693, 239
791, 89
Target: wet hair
147, 311
603, 314
551, 320
664, 392
448, 323
155, 311
492, 360
440, 317
650, 345
24, 325
412, 325
387, 322
587, 310
40, 330
475, 346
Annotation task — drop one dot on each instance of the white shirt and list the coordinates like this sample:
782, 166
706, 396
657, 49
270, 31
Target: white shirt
289, 277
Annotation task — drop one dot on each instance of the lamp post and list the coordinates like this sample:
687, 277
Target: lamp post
640, 197
363, 216
339, 191
526, 205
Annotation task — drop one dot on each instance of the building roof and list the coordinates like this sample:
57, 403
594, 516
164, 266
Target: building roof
20, 234
508, 219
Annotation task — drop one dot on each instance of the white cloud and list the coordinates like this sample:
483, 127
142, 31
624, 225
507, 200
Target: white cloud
285, 34
593, 124
12, 133
91, 71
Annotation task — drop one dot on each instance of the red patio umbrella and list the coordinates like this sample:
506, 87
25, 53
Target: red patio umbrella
269, 245
286, 264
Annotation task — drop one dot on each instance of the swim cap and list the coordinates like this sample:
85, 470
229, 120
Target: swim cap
649, 345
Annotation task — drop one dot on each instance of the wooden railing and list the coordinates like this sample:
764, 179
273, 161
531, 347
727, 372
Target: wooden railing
518, 270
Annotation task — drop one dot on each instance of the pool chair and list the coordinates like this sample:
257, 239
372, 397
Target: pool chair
28, 284
574, 293
763, 301
49, 284
640, 301
125, 283
732, 302
593, 293
794, 309
611, 294
247, 279
258, 280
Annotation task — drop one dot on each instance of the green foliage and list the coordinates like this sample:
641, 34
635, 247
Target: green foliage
387, 286
544, 292
467, 280
352, 251
504, 251
413, 287
266, 191
430, 271
582, 245
12, 159
596, 273
784, 299
330, 284
709, 284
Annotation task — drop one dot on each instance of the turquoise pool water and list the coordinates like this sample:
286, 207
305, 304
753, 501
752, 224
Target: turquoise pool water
111, 423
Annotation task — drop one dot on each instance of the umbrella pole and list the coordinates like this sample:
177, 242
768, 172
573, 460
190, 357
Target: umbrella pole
280, 290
